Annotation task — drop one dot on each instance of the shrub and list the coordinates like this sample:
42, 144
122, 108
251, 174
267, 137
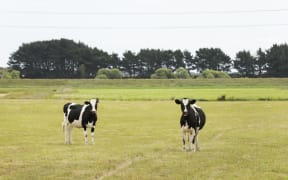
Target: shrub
115, 74
101, 76
109, 74
222, 98
181, 73
209, 74
163, 73
9, 74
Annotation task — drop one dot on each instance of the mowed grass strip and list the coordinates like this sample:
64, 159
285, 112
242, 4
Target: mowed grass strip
205, 94
142, 140
202, 94
144, 83
147, 89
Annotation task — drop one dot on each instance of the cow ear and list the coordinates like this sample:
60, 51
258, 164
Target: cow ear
177, 101
86, 102
192, 101
97, 100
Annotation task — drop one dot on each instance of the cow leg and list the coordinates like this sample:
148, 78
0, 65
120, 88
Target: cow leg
85, 135
191, 139
92, 134
69, 133
64, 125
183, 138
196, 140
66, 133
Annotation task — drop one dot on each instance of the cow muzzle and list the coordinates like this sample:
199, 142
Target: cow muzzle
185, 113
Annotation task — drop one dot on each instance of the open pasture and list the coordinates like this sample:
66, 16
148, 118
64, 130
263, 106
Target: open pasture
142, 140
147, 90
203, 94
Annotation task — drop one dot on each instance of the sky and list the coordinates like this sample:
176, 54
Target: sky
116, 26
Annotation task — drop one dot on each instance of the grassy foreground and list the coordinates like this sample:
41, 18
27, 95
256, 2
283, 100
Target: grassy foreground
142, 140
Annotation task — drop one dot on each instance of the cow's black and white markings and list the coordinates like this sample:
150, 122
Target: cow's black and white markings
80, 116
192, 121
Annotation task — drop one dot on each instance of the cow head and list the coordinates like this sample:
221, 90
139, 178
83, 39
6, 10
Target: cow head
185, 105
92, 104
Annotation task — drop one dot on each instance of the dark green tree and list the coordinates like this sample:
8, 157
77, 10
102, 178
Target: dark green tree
179, 59
277, 58
58, 59
189, 61
114, 61
245, 63
212, 58
100, 59
167, 59
130, 64
261, 63
150, 61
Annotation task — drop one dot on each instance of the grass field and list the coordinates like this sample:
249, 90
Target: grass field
139, 89
142, 140
138, 134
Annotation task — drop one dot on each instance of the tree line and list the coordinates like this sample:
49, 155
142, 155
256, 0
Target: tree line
65, 58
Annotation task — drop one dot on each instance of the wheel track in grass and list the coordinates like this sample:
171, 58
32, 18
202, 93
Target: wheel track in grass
119, 167
127, 163
218, 135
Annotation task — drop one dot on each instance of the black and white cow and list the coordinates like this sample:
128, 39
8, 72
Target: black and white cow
192, 121
80, 116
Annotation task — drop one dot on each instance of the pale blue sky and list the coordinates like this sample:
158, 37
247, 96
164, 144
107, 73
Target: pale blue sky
120, 25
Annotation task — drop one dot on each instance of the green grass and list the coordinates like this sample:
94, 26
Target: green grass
141, 89
142, 140
205, 94
138, 134
145, 83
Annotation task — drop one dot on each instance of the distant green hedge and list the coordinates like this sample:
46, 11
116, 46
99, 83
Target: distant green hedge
109, 74
9, 74
163, 73
166, 73
210, 74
